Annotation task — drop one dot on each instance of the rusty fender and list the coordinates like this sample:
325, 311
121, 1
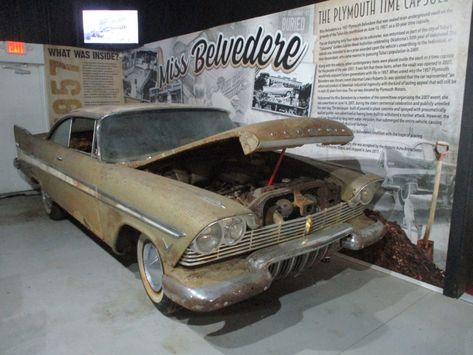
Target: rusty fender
218, 285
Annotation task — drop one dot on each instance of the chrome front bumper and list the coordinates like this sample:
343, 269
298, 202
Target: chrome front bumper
209, 288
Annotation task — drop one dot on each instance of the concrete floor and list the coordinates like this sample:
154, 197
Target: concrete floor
61, 293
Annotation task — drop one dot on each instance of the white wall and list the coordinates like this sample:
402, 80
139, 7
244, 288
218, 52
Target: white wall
22, 102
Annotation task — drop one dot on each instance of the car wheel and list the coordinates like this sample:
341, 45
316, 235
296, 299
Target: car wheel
152, 272
51, 208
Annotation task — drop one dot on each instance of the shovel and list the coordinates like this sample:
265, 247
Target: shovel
426, 245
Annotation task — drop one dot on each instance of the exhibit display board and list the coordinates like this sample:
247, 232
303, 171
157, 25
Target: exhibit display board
391, 70
394, 71
254, 69
77, 77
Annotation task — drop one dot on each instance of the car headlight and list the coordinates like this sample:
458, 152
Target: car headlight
227, 231
365, 195
234, 228
209, 239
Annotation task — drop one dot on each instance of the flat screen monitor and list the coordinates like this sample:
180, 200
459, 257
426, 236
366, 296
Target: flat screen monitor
110, 26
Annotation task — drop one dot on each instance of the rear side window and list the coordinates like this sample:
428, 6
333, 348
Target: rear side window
82, 134
61, 133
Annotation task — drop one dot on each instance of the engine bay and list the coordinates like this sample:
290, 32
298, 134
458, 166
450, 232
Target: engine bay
299, 189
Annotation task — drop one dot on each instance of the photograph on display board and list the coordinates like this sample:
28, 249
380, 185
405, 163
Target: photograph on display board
139, 73
284, 93
171, 93
230, 92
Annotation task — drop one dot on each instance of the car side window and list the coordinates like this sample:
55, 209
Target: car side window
82, 134
61, 133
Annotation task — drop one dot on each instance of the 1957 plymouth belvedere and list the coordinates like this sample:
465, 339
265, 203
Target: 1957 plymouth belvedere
215, 212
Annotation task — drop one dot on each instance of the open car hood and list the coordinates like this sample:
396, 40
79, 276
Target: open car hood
270, 135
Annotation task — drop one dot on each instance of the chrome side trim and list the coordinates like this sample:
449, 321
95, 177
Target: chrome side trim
84, 187
98, 194
140, 215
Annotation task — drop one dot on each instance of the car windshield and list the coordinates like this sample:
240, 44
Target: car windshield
133, 135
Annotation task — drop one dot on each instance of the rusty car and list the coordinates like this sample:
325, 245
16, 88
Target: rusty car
215, 212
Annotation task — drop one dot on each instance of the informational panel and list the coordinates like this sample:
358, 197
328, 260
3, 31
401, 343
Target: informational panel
257, 69
77, 77
392, 70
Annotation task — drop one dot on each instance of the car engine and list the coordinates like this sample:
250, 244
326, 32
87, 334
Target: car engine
245, 179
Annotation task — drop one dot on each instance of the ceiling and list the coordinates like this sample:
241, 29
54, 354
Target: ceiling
55, 21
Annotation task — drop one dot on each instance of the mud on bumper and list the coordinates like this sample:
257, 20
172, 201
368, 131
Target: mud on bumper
214, 286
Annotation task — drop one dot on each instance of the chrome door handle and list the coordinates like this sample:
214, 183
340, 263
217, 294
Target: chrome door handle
58, 157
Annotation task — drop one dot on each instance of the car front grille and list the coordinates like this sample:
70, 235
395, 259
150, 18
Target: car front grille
275, 234
295, 266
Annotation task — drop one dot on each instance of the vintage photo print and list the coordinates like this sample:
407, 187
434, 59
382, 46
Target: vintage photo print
284, 93
171, 93
139, 74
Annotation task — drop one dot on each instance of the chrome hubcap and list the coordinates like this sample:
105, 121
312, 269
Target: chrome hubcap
47, 202
152, 267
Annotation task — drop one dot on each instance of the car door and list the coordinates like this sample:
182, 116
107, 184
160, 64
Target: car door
76, 169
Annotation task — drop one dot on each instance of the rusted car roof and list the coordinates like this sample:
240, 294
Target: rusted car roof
98, 112
262, 136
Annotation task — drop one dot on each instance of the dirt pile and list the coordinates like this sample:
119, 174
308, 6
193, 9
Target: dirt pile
396, 252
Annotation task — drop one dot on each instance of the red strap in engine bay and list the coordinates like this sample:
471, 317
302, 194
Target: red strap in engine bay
276, 168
